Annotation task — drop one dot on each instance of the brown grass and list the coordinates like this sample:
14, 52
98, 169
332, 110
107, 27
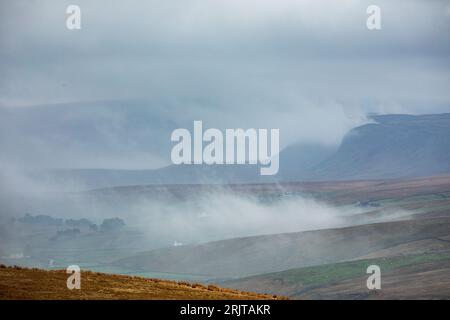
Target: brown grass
35, 284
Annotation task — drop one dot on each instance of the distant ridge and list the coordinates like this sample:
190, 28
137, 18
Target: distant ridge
392, 146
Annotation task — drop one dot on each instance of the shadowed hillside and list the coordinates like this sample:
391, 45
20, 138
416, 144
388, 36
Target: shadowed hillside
392, 146
269, 253
395, 146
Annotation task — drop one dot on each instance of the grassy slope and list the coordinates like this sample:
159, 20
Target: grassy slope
420, 199
428, 273
242, 257
21, 283
425, 198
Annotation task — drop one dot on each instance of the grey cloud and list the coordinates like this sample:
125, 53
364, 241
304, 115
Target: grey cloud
309, 67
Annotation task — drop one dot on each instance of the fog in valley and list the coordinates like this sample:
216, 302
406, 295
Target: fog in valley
152, 219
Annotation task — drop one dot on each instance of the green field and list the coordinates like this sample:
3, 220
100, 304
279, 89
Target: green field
310, 277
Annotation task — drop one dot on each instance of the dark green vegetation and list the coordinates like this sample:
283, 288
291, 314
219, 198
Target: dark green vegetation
310, 281
329, 273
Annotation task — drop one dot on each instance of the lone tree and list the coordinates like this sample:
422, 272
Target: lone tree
112, 224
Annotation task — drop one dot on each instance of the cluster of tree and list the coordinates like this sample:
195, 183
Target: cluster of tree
41, 220
77, 225
78, 222
112, 224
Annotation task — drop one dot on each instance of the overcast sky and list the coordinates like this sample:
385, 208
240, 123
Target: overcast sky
310, 68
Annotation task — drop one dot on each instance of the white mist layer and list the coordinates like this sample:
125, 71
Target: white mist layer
215, 214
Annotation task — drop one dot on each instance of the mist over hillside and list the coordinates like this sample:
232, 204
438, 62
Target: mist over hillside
327, 124
245, 256
395, 146
390, 146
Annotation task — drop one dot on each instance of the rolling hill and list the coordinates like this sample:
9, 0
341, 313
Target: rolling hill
425, 203
419, 276
35, 284
239, 257
392, 146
